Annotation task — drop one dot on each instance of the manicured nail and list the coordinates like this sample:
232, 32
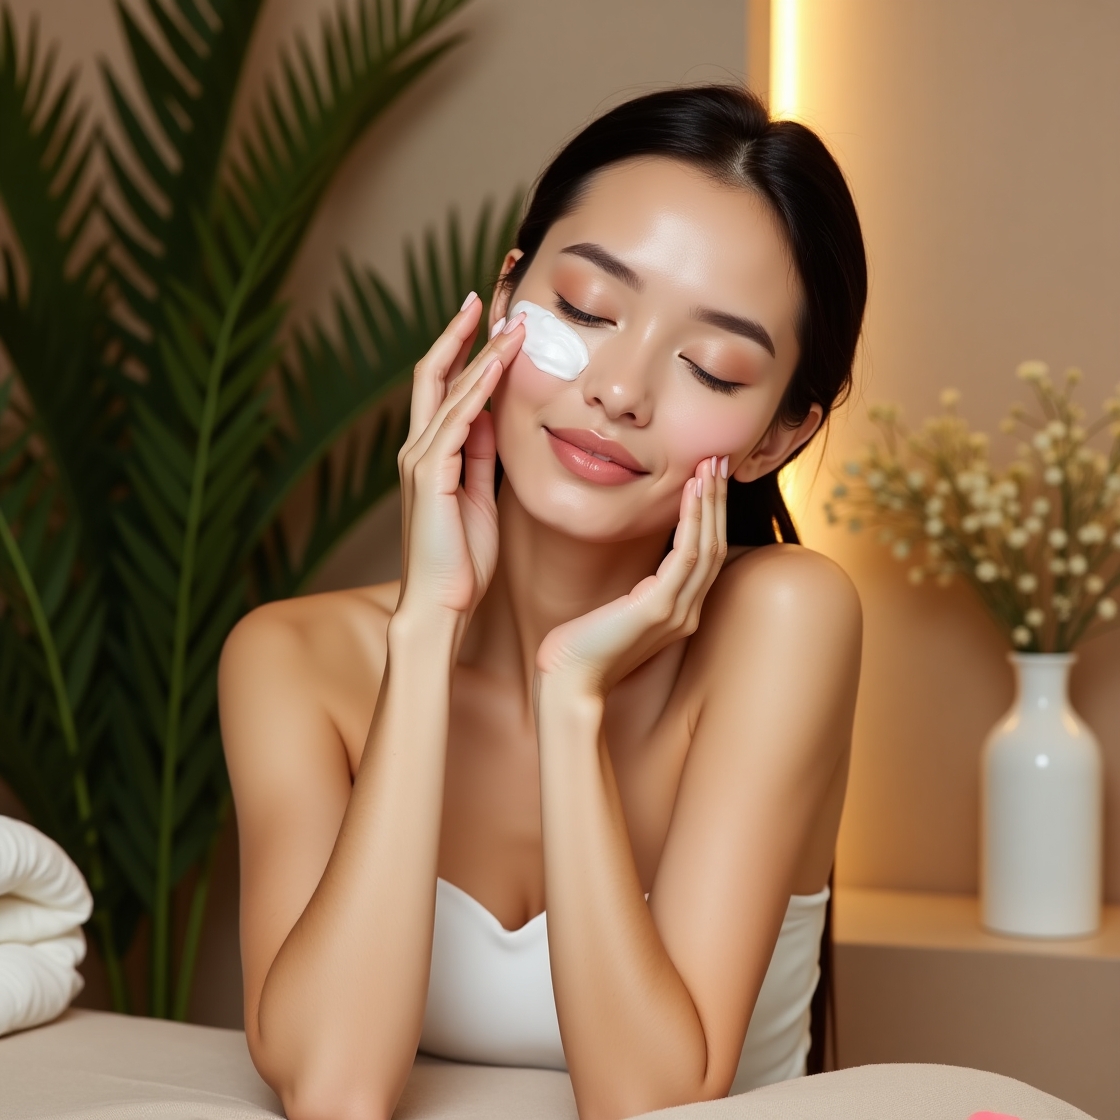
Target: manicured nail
471, 297
496, 329
514, 323
713, 466
700, 487
491, 366
723, 467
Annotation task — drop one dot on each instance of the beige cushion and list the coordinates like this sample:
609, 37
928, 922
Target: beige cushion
94, 1066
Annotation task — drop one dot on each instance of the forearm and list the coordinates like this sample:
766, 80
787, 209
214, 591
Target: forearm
632, 1036
342, 1006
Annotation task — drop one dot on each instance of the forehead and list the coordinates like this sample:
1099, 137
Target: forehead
681, 230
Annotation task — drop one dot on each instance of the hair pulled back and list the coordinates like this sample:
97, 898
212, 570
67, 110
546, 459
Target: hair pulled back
727, 133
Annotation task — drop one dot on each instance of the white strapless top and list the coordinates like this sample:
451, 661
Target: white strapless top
490, 994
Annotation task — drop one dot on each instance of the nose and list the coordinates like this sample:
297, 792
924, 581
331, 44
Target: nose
617, 381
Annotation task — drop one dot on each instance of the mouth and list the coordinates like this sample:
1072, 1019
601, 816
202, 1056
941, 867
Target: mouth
590, 457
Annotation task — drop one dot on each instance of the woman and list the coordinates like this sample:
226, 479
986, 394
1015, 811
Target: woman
593, 693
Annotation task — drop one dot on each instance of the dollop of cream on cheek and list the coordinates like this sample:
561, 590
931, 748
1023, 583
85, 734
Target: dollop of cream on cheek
552, 346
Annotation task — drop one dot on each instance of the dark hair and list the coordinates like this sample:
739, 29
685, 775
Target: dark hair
727, 132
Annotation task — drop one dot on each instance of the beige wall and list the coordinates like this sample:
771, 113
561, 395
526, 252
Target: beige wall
982, 139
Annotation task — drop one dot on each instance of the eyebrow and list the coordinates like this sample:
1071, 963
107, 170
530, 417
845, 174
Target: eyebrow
608, 262
737, 324
724, 320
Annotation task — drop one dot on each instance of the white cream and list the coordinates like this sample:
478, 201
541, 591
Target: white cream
552, 346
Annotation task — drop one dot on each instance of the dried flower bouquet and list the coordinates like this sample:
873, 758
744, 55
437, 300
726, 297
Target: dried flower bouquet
1038, 540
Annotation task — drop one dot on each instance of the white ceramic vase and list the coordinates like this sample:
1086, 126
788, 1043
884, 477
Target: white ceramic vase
1041, 795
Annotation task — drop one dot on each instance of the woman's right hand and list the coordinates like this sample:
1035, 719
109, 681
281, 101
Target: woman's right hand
450, 531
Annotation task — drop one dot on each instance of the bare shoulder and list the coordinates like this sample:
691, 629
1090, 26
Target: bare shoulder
795, 606
306, 656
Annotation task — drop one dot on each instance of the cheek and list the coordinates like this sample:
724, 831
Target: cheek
696, 430
522, 392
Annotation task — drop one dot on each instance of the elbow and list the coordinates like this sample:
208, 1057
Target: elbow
319, 1099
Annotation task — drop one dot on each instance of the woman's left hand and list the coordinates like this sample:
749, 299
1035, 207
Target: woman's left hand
596, 650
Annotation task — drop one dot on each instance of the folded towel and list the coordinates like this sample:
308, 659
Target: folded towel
43, 902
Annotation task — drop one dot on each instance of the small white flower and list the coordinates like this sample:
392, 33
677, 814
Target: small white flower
1106, 608
875, 479
1032, 524
1092, 533
900, 550
915, 480
1053, 476
1027, 583
986, 571
1040, 506
1058, 538
1094, 584
1112, 483
1017, 537
934, 506
970, 523
1078, 565
1032, 371
1041, 441
1021, 636
1057, 429
935, 527
1058, 566
1034, 617
993, 519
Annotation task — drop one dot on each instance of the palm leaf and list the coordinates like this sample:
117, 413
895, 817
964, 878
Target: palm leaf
55, 330
337, 383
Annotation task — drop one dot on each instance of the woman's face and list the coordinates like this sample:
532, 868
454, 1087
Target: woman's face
685, 294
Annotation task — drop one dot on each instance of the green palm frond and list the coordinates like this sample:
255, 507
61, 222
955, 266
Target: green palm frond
304, 129
189, 74
180, 544
54, 326
336, 384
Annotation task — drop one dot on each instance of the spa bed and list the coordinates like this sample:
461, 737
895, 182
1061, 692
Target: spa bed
90, 1065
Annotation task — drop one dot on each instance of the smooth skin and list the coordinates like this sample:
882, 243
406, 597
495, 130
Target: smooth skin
548, 709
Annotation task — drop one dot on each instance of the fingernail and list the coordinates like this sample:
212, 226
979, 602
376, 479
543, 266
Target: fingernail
723, 467
713, 466
491, 366
514, 323
471, 297
495, 330
699, 487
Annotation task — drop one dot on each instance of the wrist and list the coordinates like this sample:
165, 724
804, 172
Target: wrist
430, 632
570, 697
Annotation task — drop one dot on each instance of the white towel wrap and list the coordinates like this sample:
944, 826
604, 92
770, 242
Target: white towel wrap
43, 902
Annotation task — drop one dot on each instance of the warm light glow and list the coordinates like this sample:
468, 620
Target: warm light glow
783, 57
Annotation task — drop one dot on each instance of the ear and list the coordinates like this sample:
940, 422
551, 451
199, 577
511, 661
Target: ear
777, 446
499, 305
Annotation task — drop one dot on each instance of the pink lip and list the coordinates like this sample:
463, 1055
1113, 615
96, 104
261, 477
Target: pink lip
591, 457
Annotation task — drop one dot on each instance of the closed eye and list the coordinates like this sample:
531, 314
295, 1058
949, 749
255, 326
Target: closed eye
705, 378
576, 315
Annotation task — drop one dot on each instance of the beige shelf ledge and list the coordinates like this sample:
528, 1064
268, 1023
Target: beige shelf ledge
930, 920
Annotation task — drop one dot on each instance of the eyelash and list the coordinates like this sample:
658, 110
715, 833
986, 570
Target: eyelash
702, 375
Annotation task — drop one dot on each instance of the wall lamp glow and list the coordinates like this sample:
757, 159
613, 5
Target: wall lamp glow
784, 30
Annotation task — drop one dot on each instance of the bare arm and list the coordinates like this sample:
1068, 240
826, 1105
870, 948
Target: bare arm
339, 884
654, 1001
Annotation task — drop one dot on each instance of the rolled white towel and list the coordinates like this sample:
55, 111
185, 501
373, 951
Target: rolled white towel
43, 902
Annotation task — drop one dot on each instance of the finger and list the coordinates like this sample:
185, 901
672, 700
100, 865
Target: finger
502, 349
451, 435
675, 568
722, 488
479, 452
430, 375
706, 565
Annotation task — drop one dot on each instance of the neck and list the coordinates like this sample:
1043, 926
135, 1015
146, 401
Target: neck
545, 577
